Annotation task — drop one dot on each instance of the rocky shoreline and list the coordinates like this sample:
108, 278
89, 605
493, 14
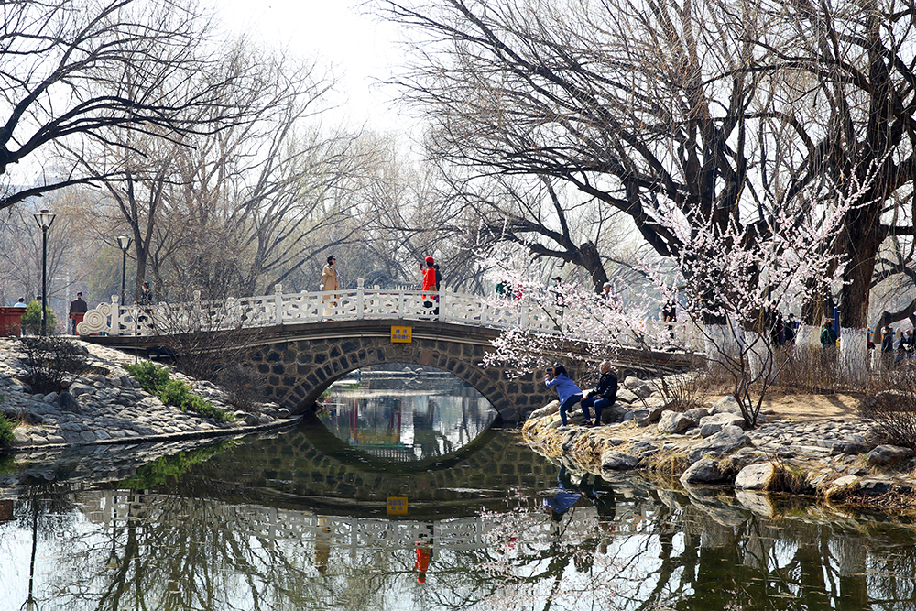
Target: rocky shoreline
112, 407
833, 460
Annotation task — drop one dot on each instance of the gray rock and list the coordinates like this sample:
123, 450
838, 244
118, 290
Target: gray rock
675, 422
67, 402
887, 454
21, 437
632, 382
80, 389
626, 396
643, 417
248, 419
729, 439
850, 447
614, 413
755, 477
704, 471
644, 448
875, 486
697, 413
710, 425
618, 461
726, 404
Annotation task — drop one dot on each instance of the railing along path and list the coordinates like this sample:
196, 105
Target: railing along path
360, 303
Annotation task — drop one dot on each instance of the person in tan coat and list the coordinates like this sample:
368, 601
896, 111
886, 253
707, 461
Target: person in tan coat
329, 282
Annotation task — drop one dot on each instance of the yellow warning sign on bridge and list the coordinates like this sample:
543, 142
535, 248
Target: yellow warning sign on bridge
400, 335
397, 505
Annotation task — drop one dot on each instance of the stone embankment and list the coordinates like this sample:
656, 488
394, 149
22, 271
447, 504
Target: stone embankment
831, 459
111, 407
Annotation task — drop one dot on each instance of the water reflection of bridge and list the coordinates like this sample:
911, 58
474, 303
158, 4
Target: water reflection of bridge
271, 525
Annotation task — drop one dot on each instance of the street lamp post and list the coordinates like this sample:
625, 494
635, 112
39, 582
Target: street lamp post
44, 219
124, 242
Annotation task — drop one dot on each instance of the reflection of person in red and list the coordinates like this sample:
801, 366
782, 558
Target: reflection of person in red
424, 555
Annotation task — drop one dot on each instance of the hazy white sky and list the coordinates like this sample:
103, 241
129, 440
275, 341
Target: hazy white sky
359, 46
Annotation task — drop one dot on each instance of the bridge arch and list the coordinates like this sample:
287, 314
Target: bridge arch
299, 364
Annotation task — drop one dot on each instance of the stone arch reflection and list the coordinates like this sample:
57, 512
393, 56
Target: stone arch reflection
406, 413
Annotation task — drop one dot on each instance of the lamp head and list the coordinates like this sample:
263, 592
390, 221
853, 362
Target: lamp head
44, 219
124, 242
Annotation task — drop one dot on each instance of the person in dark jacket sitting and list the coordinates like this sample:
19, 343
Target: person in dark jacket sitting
603, 396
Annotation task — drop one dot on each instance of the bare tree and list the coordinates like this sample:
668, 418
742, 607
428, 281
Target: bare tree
233, 207
72, 71
859, 62
635, 104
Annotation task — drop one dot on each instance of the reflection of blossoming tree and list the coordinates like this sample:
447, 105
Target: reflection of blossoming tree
730, 279
530, 556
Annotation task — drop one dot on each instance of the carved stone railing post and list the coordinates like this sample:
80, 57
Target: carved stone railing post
360, 298
278, 297
115, 328
444, 302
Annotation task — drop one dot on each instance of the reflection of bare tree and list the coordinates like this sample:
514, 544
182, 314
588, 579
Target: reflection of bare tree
197, 544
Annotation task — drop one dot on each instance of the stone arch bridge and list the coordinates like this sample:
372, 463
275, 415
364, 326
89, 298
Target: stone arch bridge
299, 361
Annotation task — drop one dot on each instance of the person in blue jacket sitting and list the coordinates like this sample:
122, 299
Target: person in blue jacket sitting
569, 393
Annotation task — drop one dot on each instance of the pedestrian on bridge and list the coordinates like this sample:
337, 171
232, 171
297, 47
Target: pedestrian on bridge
569, 393
329, 282
429, 284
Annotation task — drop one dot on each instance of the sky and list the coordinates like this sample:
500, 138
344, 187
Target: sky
360, 47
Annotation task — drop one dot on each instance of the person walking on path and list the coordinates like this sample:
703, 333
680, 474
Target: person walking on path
329, 282
604, 395
78, 309
569, 393
429, 282
21, 303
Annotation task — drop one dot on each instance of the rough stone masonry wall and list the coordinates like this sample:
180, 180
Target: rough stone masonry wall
297, 372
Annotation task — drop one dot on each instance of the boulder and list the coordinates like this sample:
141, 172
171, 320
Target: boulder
729, 439
614, 413
675, 422
842, 486
875, 486
726, 404
644, 448
248, 419
704, 471
80, 389
888, 454
710, 425
626, 396
755, 477
551, 408
850, 447
618, 461
643, 416
67, 402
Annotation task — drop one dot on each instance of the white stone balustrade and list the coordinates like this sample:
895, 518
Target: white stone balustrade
310, 306
360, 303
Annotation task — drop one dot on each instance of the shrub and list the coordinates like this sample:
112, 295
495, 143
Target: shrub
156, 381
31, 319
50, 361
6, 431
151, 377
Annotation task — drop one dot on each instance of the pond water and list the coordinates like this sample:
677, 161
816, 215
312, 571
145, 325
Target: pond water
301, 519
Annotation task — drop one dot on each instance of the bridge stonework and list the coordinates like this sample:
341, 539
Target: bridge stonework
300, 363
